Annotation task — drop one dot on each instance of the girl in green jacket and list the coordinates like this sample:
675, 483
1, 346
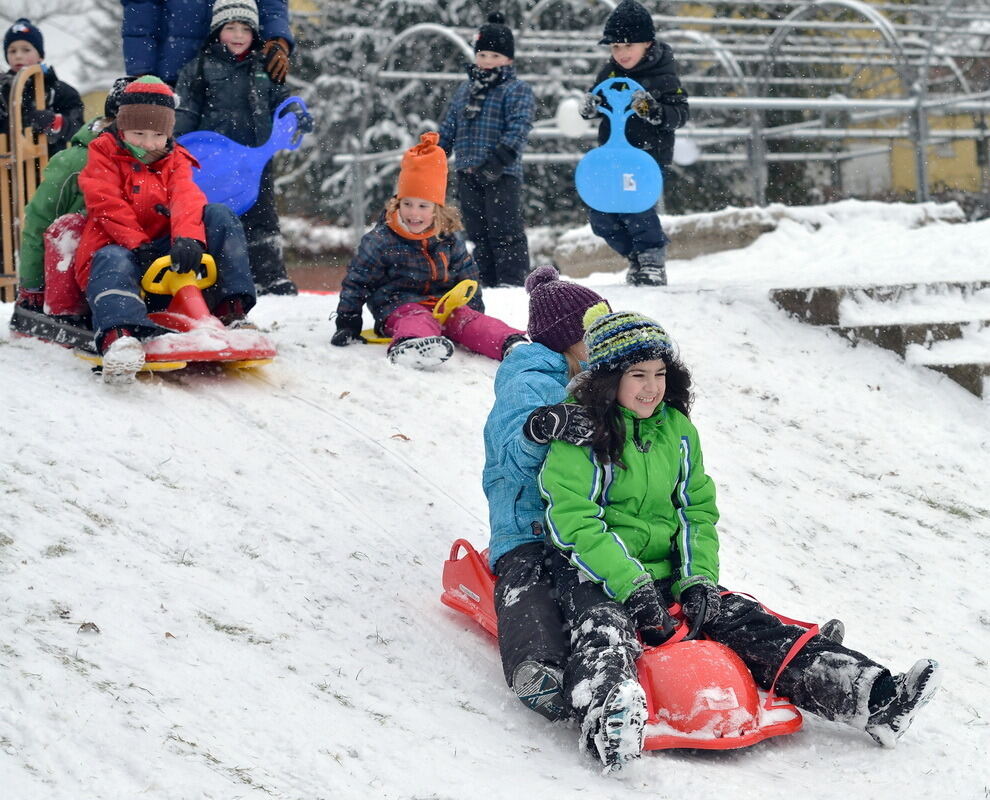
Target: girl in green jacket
634, 517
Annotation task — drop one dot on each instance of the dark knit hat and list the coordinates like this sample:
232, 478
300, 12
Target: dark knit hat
225, 11
147, 104
629, 22
556, 308
617, 341
112, 103
24, 30
496, 37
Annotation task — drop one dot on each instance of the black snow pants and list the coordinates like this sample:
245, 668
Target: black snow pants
492, 213
530, 623
824, 678
264, 235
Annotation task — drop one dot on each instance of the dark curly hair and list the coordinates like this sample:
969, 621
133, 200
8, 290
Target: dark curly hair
597, 391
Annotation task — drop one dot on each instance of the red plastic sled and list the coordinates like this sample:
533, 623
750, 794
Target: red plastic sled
699, 693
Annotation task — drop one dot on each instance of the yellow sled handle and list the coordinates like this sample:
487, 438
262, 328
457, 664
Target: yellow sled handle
459, 296
160, 279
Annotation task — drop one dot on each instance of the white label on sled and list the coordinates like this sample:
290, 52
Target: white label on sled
628, 182
469, 593
719, 699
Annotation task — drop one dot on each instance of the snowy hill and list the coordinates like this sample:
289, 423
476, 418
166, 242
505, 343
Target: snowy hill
261, 554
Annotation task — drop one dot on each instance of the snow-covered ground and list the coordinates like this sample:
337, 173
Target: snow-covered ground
261, 554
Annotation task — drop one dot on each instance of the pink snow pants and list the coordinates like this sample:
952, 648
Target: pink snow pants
472, 329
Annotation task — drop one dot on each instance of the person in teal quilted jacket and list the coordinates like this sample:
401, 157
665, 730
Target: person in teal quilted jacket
634, 514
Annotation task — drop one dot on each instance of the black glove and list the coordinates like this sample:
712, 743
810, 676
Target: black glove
667, 113
186, 254
45, 121
348, 330
567, 422
697, 594
501, 157
653, 623
590, 104
306, 123
145, 254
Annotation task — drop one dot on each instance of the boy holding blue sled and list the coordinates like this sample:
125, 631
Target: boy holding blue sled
659, 111
226, 89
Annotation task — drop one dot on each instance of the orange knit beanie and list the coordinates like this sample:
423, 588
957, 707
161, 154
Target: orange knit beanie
424, 171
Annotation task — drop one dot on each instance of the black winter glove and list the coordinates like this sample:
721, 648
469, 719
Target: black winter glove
306, 123
495, 164
653, 623
667, 113
144, 255
697, 594
186, 254
348, 330
45, 121
590, 105
567, 422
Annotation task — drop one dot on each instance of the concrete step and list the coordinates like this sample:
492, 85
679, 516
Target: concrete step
899, 337
824, 305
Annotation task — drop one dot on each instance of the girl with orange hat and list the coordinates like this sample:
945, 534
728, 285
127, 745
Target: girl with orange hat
407, 262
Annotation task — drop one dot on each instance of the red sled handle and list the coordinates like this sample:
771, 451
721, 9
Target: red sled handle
469, 586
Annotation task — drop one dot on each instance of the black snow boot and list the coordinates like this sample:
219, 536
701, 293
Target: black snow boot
622, 726
834, 629
541, 688
420, 352
648, 268
895, 700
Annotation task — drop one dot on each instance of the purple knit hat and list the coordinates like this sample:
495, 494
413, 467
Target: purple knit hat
556, 308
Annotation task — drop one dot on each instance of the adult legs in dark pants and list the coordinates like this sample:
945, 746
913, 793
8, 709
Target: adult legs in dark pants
492, 213
264, 240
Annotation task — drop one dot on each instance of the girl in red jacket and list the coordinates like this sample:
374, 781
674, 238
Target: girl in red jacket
142, 204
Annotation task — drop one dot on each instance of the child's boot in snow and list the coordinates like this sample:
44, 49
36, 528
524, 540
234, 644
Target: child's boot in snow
421, 352
648, 268
622, 726
122, 354
895, 700
834, 629
540, 687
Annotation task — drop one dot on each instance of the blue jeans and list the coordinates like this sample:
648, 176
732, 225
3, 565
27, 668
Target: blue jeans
629, 233
114, 289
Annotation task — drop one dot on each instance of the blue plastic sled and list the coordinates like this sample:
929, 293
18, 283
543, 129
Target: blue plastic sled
616, 177
230, 173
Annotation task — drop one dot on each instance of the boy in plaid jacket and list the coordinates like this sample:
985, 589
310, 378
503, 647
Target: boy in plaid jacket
486, 126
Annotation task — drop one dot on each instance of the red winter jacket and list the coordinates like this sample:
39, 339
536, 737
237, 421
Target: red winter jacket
125, 200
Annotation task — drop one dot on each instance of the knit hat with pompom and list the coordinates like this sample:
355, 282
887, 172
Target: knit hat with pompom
496, 37
423, 173
147, 104
556, 308
618, 340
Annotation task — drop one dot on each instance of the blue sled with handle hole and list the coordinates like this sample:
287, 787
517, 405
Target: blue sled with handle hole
230, 173
616, 177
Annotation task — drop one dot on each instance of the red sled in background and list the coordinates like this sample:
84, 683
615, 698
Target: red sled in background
699, 693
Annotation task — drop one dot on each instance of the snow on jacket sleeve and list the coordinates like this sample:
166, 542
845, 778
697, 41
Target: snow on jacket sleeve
185, 199
696, 539
448, 128
56, 195
365, 272
520, 106
105, 203
573, 484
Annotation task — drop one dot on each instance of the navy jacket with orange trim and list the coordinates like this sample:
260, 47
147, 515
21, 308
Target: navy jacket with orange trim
389, 270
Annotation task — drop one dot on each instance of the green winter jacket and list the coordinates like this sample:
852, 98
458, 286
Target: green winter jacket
654, 519
57, 194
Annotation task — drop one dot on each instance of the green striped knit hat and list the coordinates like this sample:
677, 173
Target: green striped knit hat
618, 340
147, 104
